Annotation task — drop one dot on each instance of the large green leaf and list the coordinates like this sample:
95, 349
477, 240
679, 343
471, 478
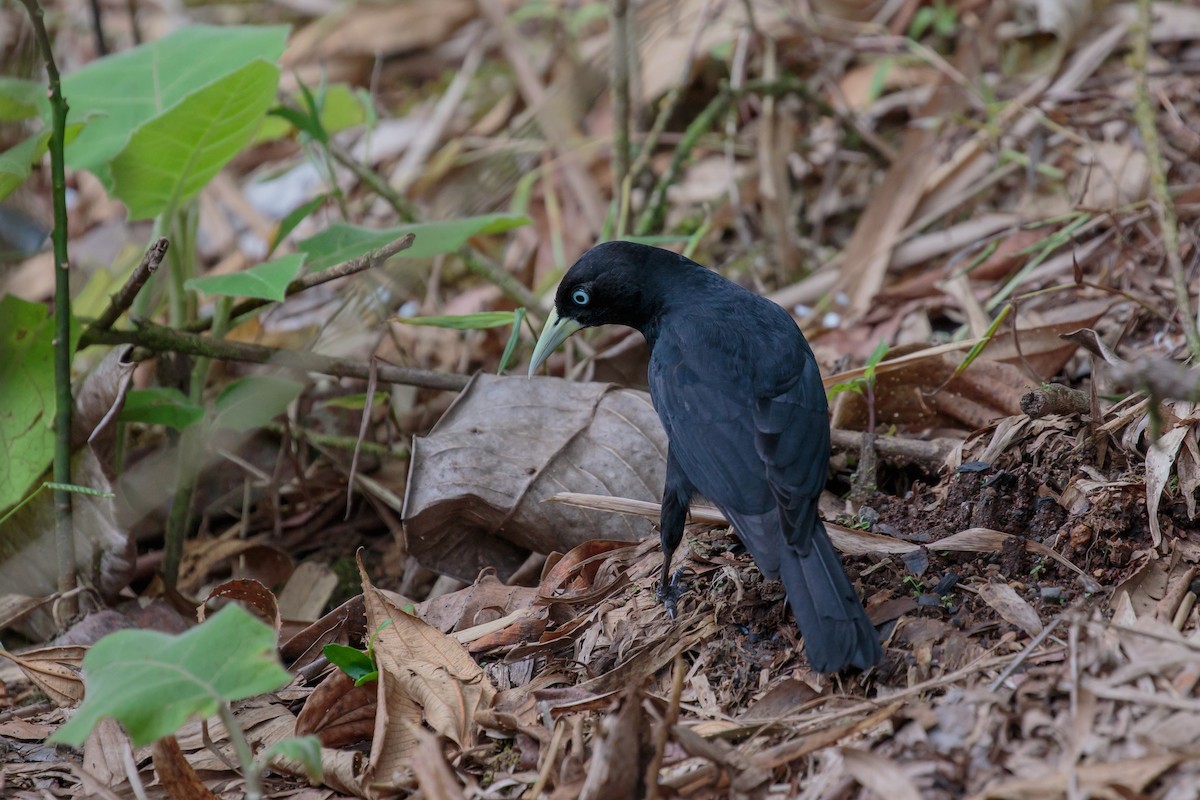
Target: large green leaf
339, 243
169, 159
26, 396
152, 683
120, 93
268, 281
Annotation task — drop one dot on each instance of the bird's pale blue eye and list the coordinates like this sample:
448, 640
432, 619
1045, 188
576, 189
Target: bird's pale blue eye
580, 297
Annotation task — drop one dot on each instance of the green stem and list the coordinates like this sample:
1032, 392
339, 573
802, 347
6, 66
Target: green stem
241, 748
63, 525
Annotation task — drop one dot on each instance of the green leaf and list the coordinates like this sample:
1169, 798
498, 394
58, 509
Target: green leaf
169, 159
873, 360
856, 385
118, 94
340, 243
294, 218
511, 346
268, 281
355, 663
254, 401
17, 161
21, 99
160, 406
304, 749
27, 400
153, 683
463, 322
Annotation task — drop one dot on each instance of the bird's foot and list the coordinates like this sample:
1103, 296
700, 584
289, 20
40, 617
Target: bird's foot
674, 589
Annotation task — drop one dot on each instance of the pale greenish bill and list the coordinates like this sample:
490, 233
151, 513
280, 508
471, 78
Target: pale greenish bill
556, 331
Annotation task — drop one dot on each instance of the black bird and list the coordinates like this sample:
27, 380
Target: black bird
740, 395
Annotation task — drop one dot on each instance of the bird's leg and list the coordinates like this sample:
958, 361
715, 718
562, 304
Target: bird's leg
670, 533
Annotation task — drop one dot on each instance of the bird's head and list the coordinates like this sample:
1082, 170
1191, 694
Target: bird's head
615, 283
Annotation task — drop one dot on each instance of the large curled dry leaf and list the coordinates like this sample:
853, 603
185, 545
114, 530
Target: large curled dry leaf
479, 480
426, 678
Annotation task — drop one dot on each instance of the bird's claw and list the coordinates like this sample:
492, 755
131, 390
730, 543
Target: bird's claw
670, 593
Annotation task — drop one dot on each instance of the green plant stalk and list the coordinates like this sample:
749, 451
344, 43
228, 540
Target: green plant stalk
241, 748
64, 528
1164, 206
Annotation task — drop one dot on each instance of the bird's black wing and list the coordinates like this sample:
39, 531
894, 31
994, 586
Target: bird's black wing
750, 442
747, 424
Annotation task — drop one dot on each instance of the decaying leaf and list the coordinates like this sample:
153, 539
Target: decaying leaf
1010, 606
425, 678
479, 480
54, 670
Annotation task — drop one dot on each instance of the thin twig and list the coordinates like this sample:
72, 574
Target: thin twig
620, 93
1164, 206
404, 210
161, 339
368, 406
120, 302
351, 267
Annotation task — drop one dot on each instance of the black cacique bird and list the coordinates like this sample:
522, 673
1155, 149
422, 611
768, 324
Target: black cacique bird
740, 396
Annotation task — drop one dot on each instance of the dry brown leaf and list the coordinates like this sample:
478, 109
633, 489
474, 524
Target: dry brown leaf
54, 670
478, 480
257, 598
619, 757
338, 712
346, 624
1160, 463
486, 600
426, 678
104, 753
434, 776
882, 776
1010, 606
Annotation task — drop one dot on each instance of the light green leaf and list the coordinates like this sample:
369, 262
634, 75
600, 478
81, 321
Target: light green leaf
21, 99
350, 660
254, 401
268, 281
120, 93
160, 405
17, 161
27, 400
340, 243
153, 683
170, 158
463, 322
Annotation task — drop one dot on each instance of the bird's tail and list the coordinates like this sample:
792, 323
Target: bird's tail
837, 633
